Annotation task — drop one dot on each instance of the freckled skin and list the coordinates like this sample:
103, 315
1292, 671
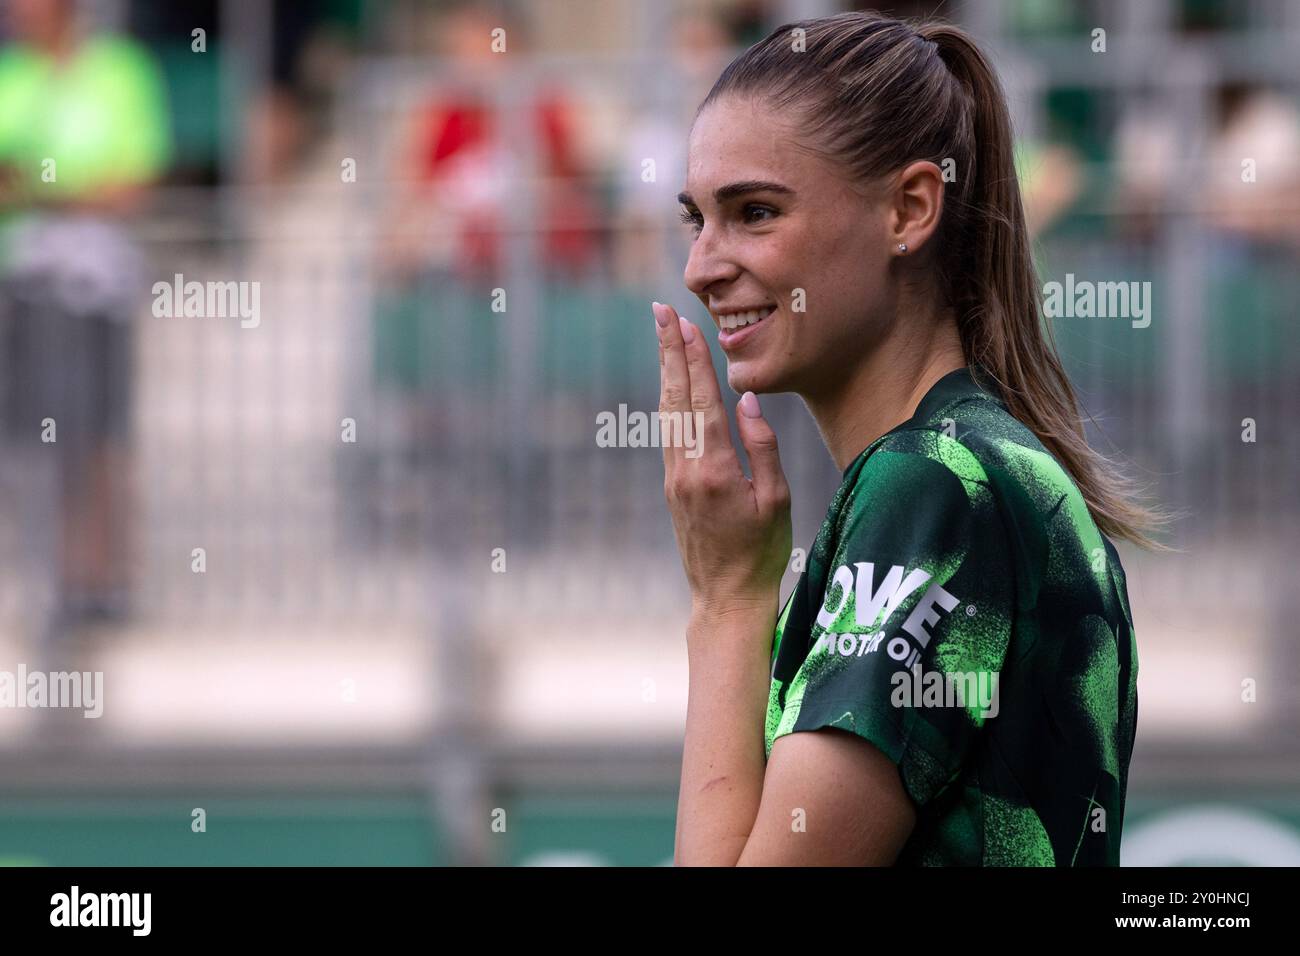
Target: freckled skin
829, 239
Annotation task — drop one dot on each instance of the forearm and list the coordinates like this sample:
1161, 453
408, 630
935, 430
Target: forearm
723, 760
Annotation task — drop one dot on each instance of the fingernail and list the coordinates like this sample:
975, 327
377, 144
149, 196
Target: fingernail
748, 405
661, 314
688, 331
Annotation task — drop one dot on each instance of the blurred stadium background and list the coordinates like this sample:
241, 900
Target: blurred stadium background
351, 680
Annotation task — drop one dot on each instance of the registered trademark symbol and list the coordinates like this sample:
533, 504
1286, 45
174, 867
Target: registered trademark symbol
970, 610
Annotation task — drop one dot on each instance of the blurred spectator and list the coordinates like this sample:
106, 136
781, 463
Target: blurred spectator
83, 131
310, 40
457, 167
1051, 181
1147, 151
1258, 203
442, 240
1249, 123
700, 48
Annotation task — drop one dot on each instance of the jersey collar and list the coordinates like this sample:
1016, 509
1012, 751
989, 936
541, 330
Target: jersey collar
958, 384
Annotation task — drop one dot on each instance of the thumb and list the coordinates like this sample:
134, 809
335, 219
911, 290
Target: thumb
764, 459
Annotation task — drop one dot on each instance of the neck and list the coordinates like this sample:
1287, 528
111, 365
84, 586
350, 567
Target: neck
884, 390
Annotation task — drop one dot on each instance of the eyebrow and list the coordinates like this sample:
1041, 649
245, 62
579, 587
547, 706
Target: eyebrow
732, 190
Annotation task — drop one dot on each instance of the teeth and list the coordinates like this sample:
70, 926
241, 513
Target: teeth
741, 319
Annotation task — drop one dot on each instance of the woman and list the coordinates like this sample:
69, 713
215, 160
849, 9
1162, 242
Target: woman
953, 680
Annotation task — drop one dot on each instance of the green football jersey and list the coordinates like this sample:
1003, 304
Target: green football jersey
962, 612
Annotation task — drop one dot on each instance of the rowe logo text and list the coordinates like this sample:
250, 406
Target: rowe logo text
873, 606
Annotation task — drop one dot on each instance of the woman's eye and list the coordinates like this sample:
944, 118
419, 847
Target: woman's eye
693, 218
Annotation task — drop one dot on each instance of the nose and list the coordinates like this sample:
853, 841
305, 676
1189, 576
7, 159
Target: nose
709, 262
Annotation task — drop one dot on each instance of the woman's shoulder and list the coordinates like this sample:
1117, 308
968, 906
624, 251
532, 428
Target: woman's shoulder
949, 451
976, 439
919, 491
969, 453
974, 465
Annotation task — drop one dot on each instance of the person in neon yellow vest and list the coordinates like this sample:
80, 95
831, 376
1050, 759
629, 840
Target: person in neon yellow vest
84, 131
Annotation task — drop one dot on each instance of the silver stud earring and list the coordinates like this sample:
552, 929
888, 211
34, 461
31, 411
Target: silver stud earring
902, 247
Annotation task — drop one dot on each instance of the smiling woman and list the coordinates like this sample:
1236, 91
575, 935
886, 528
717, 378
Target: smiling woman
968, 543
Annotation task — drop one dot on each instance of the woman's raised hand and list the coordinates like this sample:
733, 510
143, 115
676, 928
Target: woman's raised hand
733, 532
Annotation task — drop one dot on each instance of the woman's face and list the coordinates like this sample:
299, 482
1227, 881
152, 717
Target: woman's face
807, 244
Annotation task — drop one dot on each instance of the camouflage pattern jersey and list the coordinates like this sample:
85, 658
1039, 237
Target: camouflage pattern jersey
961, 611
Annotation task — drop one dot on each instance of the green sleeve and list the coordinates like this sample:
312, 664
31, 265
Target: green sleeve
920, 599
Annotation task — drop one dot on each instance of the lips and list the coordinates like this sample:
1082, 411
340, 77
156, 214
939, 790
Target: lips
736, 320
738, 326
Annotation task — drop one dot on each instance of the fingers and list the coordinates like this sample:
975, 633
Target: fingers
770, 486
707, 426
674, 380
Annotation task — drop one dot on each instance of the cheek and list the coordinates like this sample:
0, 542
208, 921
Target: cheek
859, 266
832, 265
842, 302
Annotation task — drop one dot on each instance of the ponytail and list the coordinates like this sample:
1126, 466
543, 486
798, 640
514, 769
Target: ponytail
995, 291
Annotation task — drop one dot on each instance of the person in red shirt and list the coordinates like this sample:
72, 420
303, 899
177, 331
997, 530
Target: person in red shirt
460, 172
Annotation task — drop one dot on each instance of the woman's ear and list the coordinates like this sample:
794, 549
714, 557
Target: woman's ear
916, 204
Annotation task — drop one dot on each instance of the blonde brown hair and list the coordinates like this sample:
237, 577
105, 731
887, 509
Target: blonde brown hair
876, 93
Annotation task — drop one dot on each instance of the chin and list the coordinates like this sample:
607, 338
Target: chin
745, 377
